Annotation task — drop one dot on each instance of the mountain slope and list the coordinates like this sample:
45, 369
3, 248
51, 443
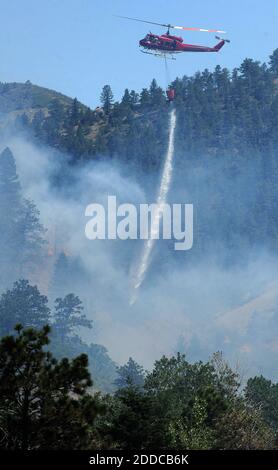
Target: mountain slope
219, 113
226, 145
26, 96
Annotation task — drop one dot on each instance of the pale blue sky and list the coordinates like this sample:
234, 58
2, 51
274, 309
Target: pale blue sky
77, 46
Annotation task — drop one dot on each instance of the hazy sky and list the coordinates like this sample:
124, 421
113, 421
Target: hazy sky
77, 46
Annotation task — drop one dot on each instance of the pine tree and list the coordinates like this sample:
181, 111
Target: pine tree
69, 316
44, 403
21, 235
106, 99
274, 62
10, 189
263, 394
23, 304
32, 232
74, 113
157, 95
145, 99
126, 99
131, 426
134, 99
130, 374
10, 211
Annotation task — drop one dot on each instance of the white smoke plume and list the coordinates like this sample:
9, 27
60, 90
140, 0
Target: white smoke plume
193, 308
161, 200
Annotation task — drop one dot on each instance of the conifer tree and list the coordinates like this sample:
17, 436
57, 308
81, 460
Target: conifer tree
23, 304
130, 374
44, 403
10, 213
69, 316
106, 98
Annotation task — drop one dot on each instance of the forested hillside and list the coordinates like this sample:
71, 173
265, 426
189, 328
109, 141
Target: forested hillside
177, 405
24, 254
219, 112
226, 164
226, 141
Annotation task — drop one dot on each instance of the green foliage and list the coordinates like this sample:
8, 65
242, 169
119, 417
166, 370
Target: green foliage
106, 98
101, 366
69, 316
131, 374
32, 233
191, 396
44, 403
274, 62
22, 243
243, 428
145, 98
131, 424
156, 93
263, 394
10, 208
183, 405
74, 113
191, 431
21, 96
25, 305
220, 113
227, 124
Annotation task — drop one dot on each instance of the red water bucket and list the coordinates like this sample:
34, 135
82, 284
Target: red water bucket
170, 94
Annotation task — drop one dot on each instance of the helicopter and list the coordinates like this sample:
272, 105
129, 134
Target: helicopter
166, 45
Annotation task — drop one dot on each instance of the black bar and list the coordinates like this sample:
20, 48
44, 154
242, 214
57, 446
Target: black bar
124, 459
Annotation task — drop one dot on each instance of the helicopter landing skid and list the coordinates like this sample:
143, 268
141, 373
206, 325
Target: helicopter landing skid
160, 55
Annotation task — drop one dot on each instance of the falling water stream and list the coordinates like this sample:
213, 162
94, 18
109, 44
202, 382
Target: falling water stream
161, 200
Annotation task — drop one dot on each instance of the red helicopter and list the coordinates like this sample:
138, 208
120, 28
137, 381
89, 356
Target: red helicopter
165, 45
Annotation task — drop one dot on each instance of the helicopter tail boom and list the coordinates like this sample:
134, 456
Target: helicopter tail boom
220, 44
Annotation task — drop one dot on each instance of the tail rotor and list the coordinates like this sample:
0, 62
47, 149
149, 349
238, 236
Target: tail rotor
221, 39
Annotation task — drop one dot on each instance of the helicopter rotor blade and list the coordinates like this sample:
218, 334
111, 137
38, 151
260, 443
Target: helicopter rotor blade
144, 21
173, 26
199, 29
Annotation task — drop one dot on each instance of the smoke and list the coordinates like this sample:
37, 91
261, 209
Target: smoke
195, 305
161, 199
